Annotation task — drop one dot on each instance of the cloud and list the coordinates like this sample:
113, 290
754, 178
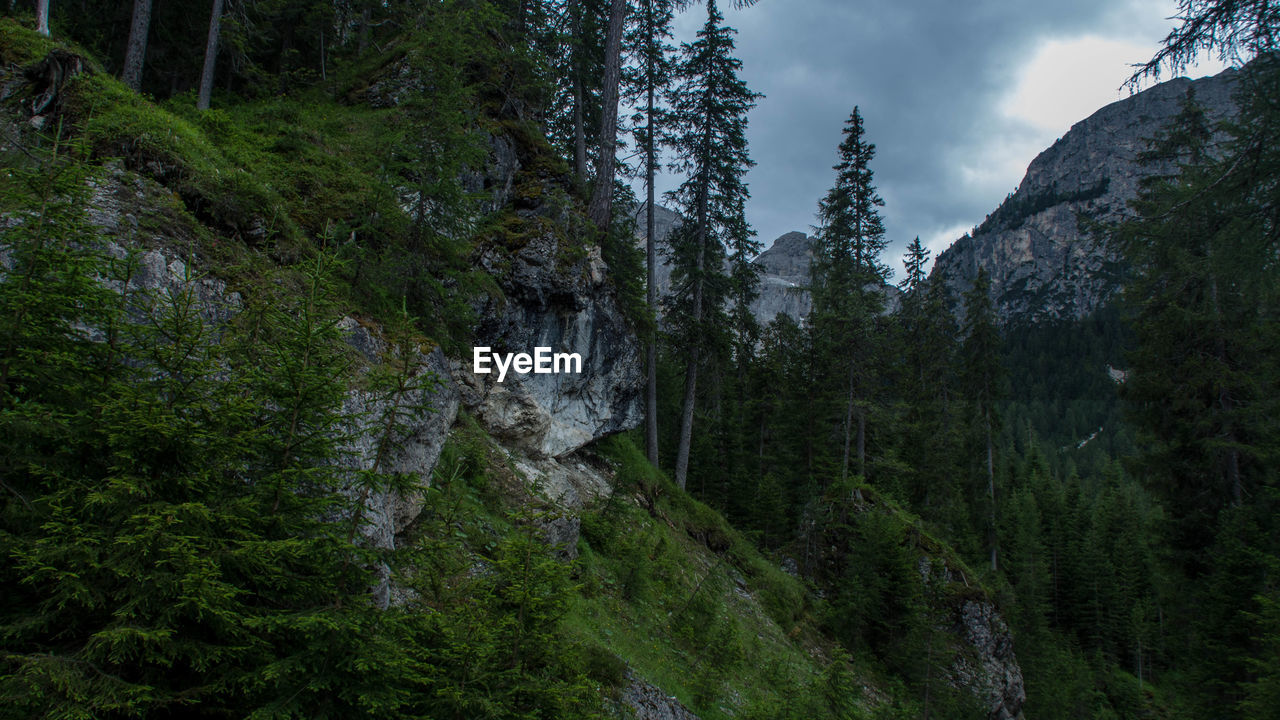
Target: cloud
957, 97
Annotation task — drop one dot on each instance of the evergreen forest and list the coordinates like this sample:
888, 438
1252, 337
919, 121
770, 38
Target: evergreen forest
247, 247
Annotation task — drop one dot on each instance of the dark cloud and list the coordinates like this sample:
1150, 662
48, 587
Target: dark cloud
929, 77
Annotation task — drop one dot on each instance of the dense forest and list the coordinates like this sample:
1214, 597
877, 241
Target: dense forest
806, 513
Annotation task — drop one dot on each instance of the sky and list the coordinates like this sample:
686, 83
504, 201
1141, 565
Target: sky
958, 98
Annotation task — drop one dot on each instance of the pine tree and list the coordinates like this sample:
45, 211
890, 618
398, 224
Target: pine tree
845, 279
917, 257
1203, 293
981, 383
710, 107
646, 83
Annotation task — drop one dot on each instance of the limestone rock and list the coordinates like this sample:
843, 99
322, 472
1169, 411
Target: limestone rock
1043, 266
648, 702
996, 677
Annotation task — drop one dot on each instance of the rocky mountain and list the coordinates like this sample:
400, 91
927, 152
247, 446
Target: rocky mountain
1043, 266
784, 270
783, 277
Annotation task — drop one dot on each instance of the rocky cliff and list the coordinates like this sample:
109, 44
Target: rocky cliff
784, 274
1043, 266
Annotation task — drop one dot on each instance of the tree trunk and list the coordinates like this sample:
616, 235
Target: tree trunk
136, 52
366, 17
210, 56
651, 294
686, 419
991, 489
42, 17
1231, 461
601, 208
848, 423
691, 370
579, 137
862, 442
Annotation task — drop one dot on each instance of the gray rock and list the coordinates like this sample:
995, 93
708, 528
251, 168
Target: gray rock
784, 271
561, 533
568, 308
664, 222
784, 278
648, 702
993, 673
1042, 266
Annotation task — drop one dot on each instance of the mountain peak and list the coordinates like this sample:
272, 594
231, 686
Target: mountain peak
1042, 265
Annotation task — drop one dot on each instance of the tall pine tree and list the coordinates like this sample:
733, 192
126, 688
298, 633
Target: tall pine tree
845, 279
709, 108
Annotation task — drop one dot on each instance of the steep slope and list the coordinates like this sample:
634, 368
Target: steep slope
665, 593
1042, 265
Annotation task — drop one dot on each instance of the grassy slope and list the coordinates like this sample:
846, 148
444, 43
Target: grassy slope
665, 584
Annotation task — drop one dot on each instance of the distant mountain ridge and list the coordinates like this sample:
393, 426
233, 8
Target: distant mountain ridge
1043, 267
784, 270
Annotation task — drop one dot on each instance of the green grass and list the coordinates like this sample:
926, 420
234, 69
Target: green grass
281, 176
690, 605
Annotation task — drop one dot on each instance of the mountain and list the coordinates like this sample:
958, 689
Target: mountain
784, 271
1043, 265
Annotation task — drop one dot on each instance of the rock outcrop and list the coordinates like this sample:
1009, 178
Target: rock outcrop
647, 702
1043, 266
991, 672
784, 274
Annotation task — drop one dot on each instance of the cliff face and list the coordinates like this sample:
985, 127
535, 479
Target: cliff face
783, 277
569, 310
1042, 265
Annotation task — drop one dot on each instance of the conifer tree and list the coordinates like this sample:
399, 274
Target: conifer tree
1204, 299
646, 83
845, 279
917, 257
982, 373
710, 108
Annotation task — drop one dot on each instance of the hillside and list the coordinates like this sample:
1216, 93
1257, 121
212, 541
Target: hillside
643, 597
330, 386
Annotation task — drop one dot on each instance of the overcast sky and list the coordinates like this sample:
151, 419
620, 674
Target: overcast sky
958, 97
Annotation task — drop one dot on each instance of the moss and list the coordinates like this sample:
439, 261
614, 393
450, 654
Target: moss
116, 122
22, 46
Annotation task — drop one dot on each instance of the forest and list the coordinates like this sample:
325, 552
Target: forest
803, 518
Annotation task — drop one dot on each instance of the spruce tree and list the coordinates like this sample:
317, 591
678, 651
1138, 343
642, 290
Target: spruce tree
709, 107
1204, 301
981, 383
646, 83
845, 279
917, 257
